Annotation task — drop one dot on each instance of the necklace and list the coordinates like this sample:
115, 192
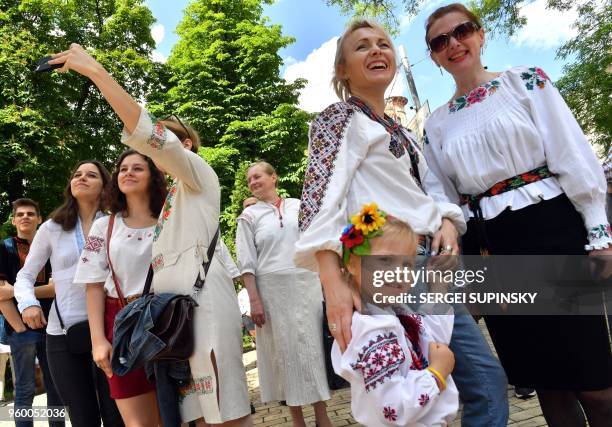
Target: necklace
277, 205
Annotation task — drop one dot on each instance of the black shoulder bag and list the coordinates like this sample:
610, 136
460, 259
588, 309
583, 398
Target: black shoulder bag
78, 336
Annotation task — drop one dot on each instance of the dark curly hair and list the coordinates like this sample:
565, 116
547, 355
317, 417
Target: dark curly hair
157, 187
66, 215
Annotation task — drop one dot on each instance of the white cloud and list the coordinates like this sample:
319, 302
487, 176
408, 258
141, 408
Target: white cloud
317, 69
290, 60
405, 21
158, 32
545, 28
157, 56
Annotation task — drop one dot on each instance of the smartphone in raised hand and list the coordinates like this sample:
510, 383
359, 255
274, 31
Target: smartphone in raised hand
43, 65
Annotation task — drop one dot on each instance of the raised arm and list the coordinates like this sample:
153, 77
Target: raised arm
77, 59
142, 132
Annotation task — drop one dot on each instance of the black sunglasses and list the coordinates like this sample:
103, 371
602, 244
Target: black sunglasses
181, 123
460, 32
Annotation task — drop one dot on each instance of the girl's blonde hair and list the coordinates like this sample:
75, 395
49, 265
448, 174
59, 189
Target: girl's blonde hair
340, 85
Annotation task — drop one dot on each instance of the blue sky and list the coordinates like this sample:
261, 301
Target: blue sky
315, 25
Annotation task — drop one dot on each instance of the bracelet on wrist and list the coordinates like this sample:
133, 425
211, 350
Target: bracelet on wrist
439, 379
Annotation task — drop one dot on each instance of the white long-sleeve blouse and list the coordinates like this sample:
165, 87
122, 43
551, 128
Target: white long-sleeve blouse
262, 245
52, 243
389, 383
353, 161
510, 125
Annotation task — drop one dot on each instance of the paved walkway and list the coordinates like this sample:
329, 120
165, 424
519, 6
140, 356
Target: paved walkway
523, 413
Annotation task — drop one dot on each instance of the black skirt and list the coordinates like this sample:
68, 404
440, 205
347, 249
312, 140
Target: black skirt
546, 352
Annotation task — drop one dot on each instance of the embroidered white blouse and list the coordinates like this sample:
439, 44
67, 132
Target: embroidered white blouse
352, 162
508, 126
389, 383
262, 245
130, 253
52, 243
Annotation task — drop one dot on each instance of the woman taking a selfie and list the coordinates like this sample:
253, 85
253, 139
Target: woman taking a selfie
189, 220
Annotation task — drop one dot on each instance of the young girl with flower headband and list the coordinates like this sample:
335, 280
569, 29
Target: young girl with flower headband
398, 363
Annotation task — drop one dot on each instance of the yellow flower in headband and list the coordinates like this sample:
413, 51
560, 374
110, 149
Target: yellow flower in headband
369, 219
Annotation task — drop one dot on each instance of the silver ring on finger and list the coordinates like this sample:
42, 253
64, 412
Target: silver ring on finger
333, 327
449, 248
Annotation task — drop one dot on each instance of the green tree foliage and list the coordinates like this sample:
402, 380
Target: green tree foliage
50, 121
587, 81
224, 78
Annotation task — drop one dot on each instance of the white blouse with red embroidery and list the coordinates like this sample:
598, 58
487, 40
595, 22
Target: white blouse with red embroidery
390, 385
353, 160
510, 125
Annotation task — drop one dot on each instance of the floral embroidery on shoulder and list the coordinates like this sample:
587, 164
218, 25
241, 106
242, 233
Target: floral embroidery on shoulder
379, 360
166, 211
534, 76
474, 96
599, 231
94, 244
326, 134
157, 263
159, 134
390, 413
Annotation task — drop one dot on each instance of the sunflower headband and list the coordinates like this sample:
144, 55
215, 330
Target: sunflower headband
364, 226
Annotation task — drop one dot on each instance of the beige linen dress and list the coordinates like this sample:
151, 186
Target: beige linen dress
187, 224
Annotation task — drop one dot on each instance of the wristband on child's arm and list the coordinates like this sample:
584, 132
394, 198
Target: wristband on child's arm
439, 379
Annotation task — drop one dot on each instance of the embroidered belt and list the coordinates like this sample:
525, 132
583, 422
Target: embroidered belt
518, 181
509, 184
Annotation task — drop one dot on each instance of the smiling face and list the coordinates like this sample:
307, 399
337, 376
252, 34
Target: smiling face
369, 61
26, 219
260, 182
86, 182
134, 175
398, 239
459, 57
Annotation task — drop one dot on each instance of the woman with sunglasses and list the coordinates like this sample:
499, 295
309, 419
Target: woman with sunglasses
508, 149
188, 223
358, 155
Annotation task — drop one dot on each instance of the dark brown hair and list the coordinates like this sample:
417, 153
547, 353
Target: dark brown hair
19, 203
445, 10
157, 187
66, 215
182, 131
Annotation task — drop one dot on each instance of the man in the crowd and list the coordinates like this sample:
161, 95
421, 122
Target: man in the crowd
26, 344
